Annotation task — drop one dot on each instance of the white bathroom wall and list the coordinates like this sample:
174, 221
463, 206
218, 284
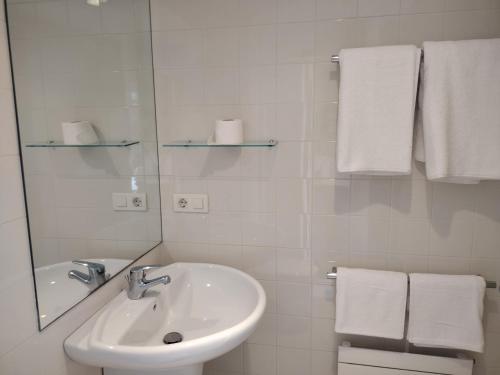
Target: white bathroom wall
283, 214
24, 350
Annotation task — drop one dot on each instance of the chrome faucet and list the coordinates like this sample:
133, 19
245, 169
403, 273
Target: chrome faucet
96, 276
138, 284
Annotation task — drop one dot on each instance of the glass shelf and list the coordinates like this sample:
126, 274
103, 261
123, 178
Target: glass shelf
102, 144
190, 143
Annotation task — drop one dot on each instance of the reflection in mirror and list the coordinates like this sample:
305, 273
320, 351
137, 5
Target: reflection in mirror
83, 79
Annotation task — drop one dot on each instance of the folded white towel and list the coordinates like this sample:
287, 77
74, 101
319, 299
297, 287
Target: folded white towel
371, 303
376, 109
460, 110
446, 311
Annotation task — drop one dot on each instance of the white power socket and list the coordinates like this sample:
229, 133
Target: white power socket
129, 202
190, 203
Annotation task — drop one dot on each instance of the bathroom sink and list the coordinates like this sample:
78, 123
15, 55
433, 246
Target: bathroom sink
214, 308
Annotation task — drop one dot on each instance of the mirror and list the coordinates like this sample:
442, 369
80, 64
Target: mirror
83, 79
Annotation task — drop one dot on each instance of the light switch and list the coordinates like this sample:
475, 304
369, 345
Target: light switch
119, 200
194, 203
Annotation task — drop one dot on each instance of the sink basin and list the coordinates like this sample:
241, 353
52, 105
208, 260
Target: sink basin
215, 308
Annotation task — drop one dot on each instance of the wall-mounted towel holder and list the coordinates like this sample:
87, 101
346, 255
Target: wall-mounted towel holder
333, 275
335, 59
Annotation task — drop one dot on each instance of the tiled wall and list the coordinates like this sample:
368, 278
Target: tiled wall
73, 61
282, 214
24, 350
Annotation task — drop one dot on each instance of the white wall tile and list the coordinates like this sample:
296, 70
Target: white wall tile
257, 12
371, 197
293, 298
11, 189
323, 301
466, 25
417, 28
222, 47
258, 85
412, 198
266, 331
325, 121
260, 359
323, 334
221, 86
293, 231
323, 363
295, 10
260, 262
5, 79
231, 361
257, 44
259, 229
294, 83
336, 8
293, 361
8, 142
486, 239
452, 5
294, 332
293, 265
295, 42
331, 197
330, 233
293, 195
451, 237
367, 8
422, 6
410, 236
294, 121
369, 234
180, 48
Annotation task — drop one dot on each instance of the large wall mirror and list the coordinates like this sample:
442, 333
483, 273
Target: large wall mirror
83, 79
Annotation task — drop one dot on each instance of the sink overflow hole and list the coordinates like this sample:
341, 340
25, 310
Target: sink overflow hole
172, 338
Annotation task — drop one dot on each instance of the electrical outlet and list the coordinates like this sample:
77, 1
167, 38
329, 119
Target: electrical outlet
129, 202
190, 203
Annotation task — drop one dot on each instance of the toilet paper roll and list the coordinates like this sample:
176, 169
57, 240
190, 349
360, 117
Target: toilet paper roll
227, 132
79, 133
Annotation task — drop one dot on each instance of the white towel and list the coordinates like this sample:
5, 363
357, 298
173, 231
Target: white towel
446, 311
371, 303
460, 110
376, 109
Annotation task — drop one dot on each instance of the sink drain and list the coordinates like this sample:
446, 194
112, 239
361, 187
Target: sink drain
172, 338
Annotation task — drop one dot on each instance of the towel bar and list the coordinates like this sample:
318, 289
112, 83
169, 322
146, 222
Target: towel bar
333, 275
335, 59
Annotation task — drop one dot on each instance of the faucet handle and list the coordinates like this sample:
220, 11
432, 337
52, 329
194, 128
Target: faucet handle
92, 266
139, 272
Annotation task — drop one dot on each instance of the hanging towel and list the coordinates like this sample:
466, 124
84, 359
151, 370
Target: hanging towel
446, 311
460, 111
371, 303
376, 109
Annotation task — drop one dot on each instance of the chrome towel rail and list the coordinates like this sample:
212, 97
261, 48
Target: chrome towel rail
333, 275
335, 59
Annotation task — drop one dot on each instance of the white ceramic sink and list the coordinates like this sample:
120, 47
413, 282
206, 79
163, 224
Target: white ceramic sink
214, 307
57, 292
